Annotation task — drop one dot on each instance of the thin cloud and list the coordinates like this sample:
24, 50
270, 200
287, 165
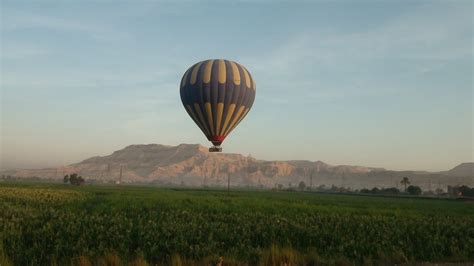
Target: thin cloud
14, 20
420, 34
428, 35
19, 51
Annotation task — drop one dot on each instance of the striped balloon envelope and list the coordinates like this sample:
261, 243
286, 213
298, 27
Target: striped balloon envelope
217, 94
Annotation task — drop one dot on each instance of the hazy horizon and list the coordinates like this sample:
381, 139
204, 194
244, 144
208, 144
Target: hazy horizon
59, 165
378, 83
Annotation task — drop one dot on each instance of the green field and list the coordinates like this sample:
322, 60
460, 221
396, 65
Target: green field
45, 224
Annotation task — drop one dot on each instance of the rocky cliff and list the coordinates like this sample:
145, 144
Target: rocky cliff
192, 164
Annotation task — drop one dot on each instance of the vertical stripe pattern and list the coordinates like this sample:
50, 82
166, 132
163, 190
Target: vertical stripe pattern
217, 95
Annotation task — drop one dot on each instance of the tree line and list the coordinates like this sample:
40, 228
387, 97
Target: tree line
458, 191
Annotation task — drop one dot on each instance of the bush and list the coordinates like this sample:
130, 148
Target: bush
73, 179
414, 190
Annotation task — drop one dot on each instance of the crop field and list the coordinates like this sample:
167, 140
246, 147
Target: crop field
46, 224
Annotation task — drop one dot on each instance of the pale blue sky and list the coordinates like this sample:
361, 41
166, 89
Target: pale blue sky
377, 83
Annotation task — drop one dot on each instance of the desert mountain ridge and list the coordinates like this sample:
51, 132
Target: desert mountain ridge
192, 164
463, 169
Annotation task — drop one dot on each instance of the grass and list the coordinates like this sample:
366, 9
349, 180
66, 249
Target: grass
122, 225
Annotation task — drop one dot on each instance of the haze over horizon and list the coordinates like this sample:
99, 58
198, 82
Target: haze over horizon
378, 84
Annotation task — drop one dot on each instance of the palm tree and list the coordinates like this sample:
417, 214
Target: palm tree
405, 182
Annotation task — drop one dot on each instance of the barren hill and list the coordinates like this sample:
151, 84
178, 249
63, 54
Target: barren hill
189, 161
464, 169
192, 164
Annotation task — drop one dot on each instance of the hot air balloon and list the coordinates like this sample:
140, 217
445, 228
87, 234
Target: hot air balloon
217, 94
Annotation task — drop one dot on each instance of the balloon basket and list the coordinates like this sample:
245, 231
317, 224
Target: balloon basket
215, 149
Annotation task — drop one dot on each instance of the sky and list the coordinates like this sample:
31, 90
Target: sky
373, 83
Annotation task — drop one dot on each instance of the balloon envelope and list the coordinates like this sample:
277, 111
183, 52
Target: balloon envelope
217, 94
